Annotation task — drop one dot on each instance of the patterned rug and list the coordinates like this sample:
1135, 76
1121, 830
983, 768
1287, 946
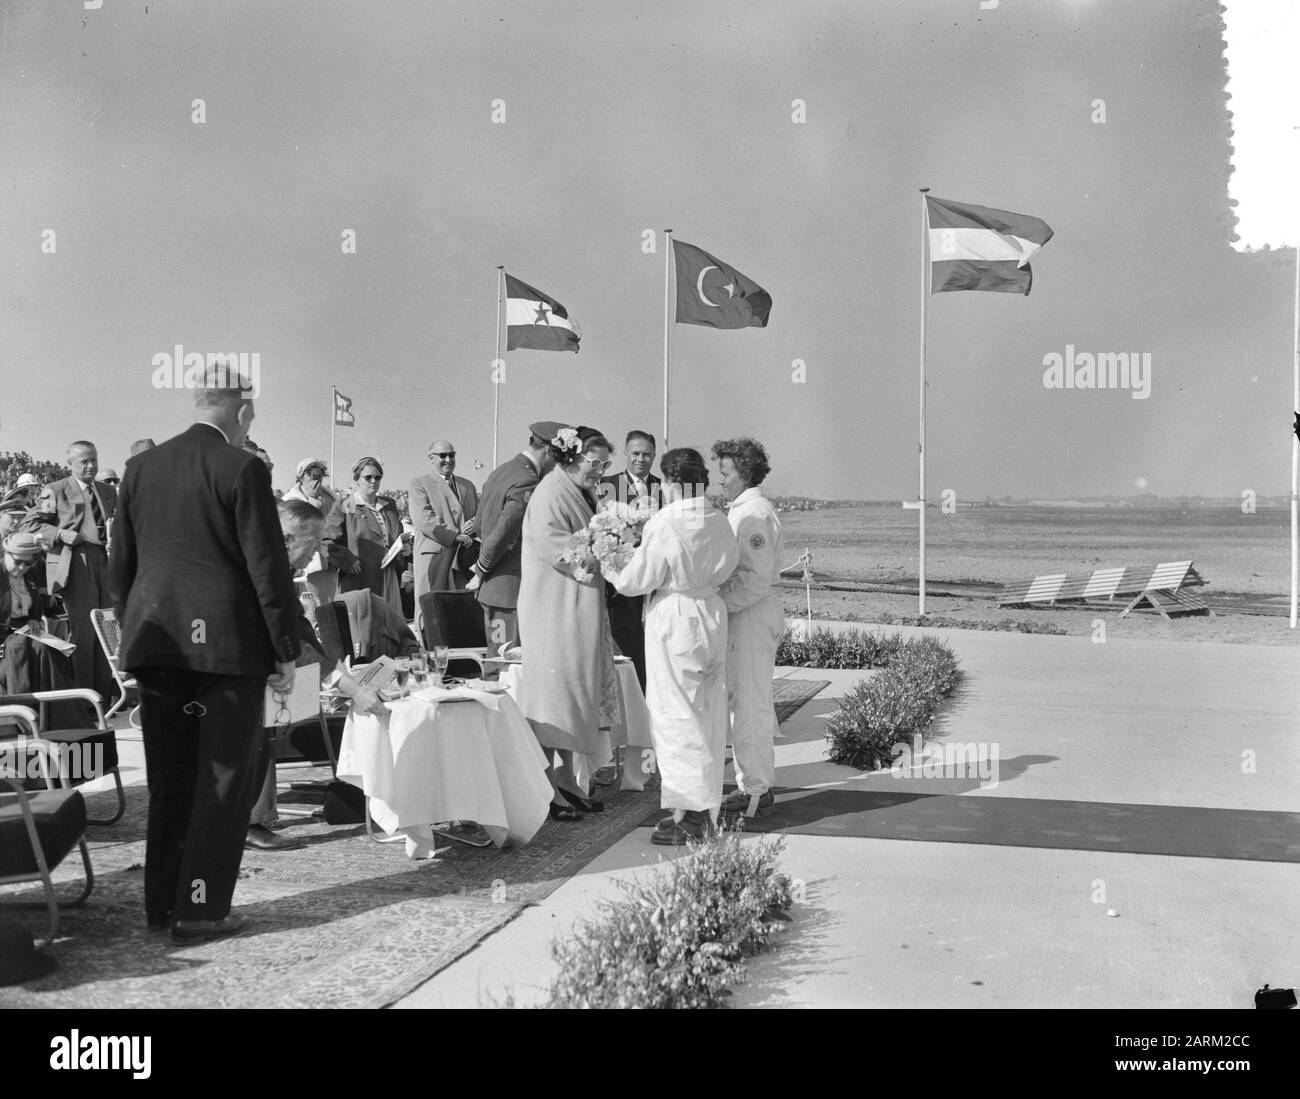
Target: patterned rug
789, 694
342, 922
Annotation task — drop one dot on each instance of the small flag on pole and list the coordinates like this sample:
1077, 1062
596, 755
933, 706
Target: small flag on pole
978, 248
343, 411
536, 320
715, 294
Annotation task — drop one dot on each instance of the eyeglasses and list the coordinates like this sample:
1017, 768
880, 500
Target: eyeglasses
372, 477
597, 465
442, 454
111, 481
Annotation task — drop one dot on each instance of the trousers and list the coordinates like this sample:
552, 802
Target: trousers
202, 739
752, 638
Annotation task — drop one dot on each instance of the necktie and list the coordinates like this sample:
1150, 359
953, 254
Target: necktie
451, 484
98, 514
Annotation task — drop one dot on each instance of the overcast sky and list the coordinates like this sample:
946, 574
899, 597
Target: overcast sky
376, 117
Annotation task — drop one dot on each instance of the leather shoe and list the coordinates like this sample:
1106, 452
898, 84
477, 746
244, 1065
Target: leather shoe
202, 931
737, 803
583, 805
261, 838
564, 813
694, 827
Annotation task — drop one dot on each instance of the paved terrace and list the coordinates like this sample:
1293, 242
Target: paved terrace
1033, 914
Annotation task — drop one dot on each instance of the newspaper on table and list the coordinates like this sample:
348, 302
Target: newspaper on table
377, 674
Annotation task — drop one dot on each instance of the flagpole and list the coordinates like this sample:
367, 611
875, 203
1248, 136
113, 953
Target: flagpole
496, 367
925, 294
334, 421
1295, 439
668, 324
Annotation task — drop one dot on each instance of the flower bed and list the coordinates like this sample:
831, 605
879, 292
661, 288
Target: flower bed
679, 938
893, 706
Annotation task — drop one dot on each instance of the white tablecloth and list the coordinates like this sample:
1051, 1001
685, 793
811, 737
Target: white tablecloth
431, 760
633, 734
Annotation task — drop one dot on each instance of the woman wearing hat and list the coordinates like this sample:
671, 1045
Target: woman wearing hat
358, 532
569, 692
309, 487
27, 665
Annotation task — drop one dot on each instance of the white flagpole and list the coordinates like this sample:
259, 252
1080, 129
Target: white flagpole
668, 323
496, 365
334, 420
925, 294
1295, 440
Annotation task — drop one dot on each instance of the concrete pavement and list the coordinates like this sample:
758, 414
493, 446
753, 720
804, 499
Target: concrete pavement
887, 922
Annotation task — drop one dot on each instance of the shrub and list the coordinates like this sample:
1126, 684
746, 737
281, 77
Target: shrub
894, 705
679, 938
824, 649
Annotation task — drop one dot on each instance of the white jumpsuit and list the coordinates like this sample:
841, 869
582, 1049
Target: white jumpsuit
755, 623
687, 550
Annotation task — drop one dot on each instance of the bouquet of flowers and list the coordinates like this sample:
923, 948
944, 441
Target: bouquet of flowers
610, 538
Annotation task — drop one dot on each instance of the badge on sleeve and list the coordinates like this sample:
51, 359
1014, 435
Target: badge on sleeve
757, 541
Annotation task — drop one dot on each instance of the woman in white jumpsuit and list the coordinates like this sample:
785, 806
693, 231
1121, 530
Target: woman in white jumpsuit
687, 550
755, 623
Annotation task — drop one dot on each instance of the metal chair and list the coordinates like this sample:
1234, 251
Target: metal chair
95, 748
335, 632
39, 829
455, 619
110, 639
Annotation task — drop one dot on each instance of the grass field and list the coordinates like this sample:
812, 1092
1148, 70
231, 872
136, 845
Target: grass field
1242, 557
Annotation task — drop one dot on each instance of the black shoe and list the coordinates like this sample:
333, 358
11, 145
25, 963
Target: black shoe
261, 838
202, 931
564, 813
737, 802
583, 805
694, 827
605, 776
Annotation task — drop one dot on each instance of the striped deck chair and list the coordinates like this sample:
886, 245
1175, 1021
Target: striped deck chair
1165, 591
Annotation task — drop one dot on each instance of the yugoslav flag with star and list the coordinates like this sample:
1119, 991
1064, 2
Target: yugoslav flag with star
715, 294
535, 320
977, 248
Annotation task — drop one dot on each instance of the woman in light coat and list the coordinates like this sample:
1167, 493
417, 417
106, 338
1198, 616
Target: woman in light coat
568, 691
687, 551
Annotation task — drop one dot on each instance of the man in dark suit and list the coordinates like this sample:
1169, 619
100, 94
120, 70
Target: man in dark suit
208, 611
73, 518
444, 510
501, 522
635, 482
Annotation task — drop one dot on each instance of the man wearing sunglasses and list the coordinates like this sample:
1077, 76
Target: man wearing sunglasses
444, 510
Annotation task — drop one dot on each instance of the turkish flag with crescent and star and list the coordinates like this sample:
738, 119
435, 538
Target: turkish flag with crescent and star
715, 294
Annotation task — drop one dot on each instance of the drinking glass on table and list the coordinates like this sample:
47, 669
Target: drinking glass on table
440, 656
419, 670
403, 677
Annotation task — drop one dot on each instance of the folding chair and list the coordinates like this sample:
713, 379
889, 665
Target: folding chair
455, 619
97, 744
39, 829
335, 632
110, 639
